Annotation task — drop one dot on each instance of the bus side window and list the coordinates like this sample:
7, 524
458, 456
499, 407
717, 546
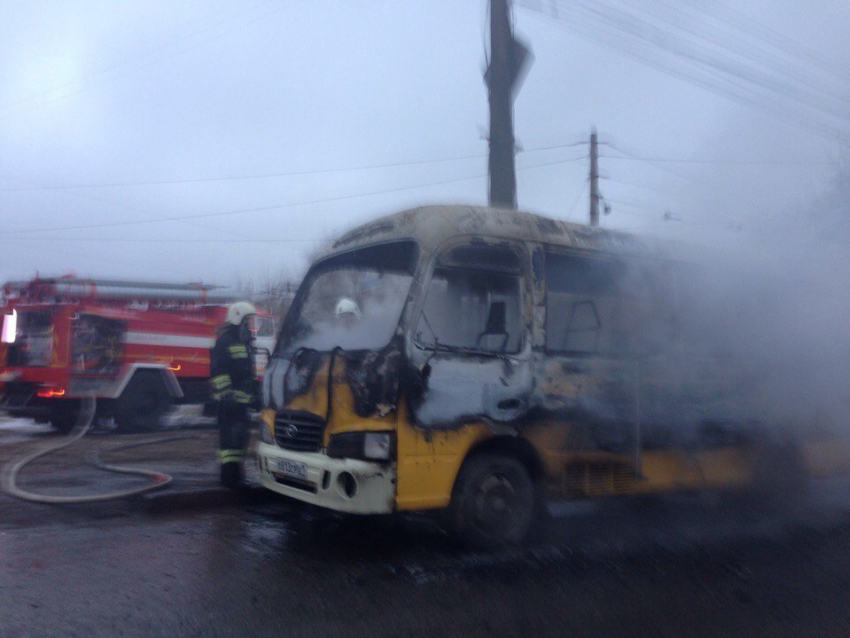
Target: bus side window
590, 305
583, 327
472, 310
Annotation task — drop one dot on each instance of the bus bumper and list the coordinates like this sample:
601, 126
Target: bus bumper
343, 485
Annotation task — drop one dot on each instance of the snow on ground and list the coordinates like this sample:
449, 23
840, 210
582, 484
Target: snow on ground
187, 415
17, 425
182, 416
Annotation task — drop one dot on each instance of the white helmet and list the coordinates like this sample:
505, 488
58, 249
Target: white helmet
346, 306
238, 311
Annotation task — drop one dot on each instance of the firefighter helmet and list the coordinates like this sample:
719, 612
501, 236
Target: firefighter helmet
346, 306
238, 311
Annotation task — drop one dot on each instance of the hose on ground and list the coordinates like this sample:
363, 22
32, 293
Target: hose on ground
85, 418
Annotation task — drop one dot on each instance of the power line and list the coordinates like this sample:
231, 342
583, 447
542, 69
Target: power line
257, 209
92, 80
733, 18
716, 58
549, 148
637, 156
248, 177
631, 35
577, 200
229, 233
275, 175
89, 257
655, 212
614, 180
671, 160
136, 240
649, 211
754, 53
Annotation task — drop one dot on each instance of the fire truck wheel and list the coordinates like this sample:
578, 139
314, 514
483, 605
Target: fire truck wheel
144, 401
493, 501
63, 416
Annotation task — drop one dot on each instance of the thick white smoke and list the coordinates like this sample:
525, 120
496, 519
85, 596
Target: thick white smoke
776, 302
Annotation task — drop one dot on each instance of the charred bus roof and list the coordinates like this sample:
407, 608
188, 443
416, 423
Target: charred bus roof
431, 226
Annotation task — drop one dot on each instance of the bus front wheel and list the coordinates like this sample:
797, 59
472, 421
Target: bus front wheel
493, 501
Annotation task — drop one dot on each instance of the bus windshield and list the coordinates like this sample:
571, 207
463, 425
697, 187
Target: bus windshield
352, 301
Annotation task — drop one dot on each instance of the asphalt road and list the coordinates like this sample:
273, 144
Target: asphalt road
692, 565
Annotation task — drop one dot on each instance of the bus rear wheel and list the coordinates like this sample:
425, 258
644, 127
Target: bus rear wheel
493, 502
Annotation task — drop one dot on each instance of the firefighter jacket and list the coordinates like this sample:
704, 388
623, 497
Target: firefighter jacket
232, 371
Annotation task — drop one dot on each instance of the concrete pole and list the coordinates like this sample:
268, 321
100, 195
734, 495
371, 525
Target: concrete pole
594, 180
501, 159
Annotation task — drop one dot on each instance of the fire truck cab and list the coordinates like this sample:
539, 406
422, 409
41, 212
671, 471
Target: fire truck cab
137, 347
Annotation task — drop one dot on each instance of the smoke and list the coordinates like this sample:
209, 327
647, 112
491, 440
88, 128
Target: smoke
354, 309
775, 304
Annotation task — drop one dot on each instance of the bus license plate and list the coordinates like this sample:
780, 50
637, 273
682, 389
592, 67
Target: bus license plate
292, 468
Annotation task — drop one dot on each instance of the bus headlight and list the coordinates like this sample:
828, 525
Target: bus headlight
377, 445
371, 446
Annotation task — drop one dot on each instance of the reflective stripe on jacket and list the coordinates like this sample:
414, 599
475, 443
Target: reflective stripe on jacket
231, 456
232, 372
238, 351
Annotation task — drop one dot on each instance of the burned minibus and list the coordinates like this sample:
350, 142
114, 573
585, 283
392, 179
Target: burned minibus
480, 361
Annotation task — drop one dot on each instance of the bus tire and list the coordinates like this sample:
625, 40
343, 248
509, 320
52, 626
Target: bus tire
493, 502
142, 404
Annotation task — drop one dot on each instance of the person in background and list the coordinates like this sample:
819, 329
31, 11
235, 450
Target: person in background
347, 312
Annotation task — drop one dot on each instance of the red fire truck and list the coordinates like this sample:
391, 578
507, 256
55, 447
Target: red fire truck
138, 347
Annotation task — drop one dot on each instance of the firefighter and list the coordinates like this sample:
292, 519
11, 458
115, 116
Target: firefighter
233, 383
347, 313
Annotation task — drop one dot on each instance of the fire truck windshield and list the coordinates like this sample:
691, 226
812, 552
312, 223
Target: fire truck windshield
352, 301
33, 342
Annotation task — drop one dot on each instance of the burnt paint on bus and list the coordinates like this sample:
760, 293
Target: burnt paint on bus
576, 416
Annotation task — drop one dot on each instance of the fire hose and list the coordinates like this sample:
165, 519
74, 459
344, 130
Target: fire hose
85, 419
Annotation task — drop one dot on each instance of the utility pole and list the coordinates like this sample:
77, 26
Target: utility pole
501, 161
509, 59
594, 180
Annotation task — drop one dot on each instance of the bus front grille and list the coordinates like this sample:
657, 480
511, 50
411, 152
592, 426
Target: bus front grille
298, 430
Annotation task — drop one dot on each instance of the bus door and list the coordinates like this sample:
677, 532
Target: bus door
596, 312
471, 340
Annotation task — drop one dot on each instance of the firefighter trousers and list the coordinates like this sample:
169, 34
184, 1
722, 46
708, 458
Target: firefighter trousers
234, 430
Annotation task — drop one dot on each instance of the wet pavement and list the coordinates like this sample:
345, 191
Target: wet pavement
224, 564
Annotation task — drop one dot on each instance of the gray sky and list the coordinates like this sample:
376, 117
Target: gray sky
114, 115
